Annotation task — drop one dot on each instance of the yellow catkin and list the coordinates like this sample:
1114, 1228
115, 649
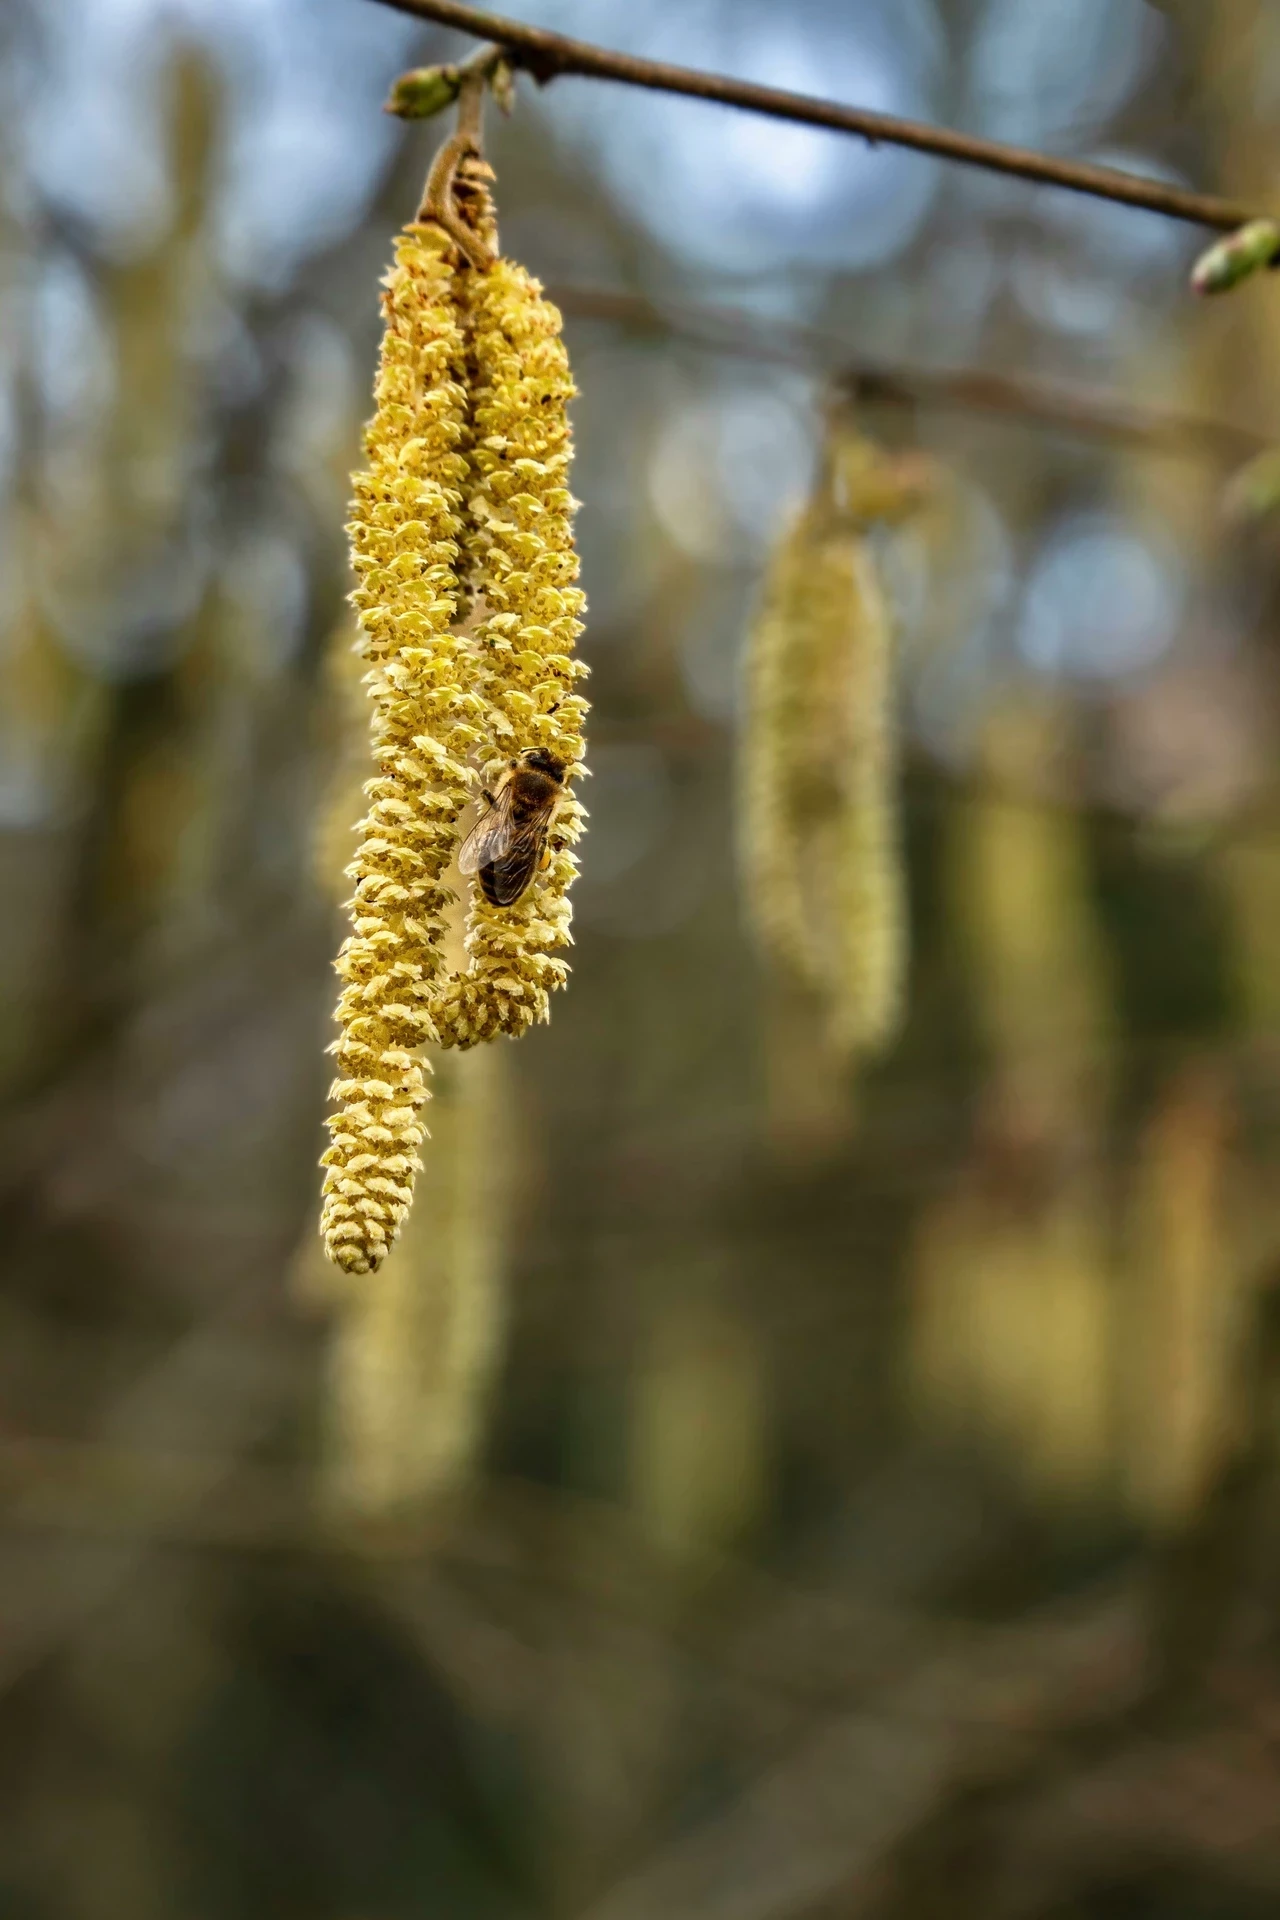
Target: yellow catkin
522, 570
779, 772
1010, 1332
405, 528
699, 1431
820, 839
1025, 926
413, 1358
868, 882
1185, 1302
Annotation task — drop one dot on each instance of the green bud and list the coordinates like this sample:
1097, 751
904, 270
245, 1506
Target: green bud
1255, 489
502, 84
1232, 260
422, 92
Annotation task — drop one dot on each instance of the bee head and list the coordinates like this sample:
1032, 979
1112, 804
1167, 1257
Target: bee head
545, 762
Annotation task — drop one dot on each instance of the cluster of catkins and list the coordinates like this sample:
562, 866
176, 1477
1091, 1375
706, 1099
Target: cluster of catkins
820, 850
461, 537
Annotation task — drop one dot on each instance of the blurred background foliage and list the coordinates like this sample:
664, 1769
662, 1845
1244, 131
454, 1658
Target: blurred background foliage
757, 1488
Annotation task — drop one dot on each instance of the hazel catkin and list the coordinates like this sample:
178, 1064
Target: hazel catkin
461, 536
523, 566
819, 841
405, 527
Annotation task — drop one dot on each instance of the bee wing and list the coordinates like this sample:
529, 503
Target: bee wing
489, 839
515, 867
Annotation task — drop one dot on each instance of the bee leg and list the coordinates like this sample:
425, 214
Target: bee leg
545, 861
486, 796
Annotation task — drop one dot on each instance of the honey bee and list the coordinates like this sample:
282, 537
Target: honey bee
508, 844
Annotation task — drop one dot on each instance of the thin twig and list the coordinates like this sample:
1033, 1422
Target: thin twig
547, 55
475, 81
437, 196
1096, 416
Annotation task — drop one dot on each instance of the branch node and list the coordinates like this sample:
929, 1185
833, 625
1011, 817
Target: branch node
423, 92
541, 67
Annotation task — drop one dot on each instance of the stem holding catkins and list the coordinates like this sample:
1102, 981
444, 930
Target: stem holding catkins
545, 54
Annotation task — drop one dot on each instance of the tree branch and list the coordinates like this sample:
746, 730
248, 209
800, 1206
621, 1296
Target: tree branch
1096, 416
547, 55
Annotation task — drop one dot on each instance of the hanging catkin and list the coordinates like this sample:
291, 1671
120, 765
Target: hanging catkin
778, 766
461, 539
405, 525
523, 565
412, 1359
869, 906
820, 848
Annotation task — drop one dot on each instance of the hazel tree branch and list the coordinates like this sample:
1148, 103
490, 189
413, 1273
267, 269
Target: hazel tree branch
1092, 415
548, 56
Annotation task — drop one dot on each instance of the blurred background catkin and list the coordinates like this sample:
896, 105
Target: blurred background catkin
796, 1464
